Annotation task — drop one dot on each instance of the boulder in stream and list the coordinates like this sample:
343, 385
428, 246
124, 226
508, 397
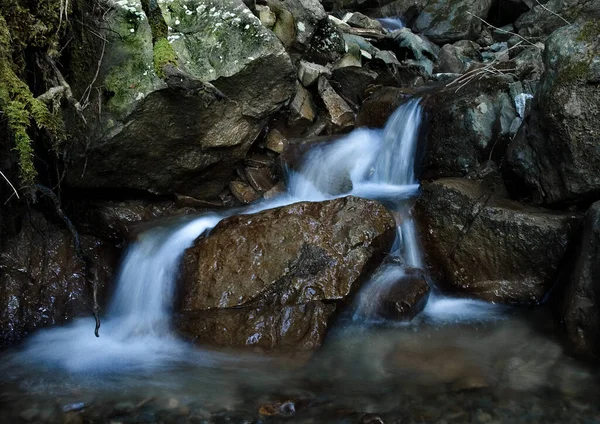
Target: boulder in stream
483, 246
273, 279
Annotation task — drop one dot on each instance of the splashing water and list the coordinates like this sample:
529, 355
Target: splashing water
391, 23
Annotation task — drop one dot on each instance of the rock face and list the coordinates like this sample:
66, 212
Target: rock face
255, 275
446, 21
558, 152
491, 248
42, 282
468, 126
539, 21
581, 301
176, 134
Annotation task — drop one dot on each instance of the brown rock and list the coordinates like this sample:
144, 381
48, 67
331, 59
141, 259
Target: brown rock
287, 256
260, 179
43, 281
489, 247
275, 141
302, 107
243, 191
378, 107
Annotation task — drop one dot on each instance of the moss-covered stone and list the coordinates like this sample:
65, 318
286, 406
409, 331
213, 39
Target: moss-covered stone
163, 55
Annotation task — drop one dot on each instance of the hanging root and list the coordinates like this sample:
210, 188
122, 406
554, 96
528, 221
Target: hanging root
90, 270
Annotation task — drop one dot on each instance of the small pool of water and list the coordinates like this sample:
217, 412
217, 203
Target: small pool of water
503, 368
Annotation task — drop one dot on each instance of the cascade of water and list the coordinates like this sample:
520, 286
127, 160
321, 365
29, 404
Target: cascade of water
391, 24
136, 331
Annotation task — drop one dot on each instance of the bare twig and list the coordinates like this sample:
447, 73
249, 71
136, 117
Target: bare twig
85, 99
10, 184
503, 30
554, 13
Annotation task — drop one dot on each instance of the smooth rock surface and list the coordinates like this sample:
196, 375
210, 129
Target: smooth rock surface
490, 248
302, 254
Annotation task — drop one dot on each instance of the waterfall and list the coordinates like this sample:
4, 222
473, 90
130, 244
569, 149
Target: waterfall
136, 331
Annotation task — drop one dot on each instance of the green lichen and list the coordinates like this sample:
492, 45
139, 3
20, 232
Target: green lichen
572, 72
163, 55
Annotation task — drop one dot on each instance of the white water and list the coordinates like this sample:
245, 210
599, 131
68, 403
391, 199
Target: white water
391, 24
136, 330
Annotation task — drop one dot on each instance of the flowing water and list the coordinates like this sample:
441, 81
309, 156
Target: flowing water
138, 371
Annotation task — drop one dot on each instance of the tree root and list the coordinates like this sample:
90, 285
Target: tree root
90, 270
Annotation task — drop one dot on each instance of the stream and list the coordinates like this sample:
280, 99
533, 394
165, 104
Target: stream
459, 360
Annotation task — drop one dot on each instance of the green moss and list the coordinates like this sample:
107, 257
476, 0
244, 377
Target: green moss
589, 31
21, 109
163, 55
572, 72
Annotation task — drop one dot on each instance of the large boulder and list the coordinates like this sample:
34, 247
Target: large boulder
488, 247
581, 300
545, 18
164, 132
557, 152
468, 124
290, 266
44, 282
446, 21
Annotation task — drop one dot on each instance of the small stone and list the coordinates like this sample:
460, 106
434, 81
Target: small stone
351, 58
275, 191
259, 161
358, 20
266, 16
275, 141
260, 179
340, 113
309, 73
302, 107
243, 192
74, 406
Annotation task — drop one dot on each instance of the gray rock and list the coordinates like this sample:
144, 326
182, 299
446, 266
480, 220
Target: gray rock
468, 126
359, 20
309, 73
302, 107
557, 152
327, 44
351, 84
351, 58
415, 51
266, 16
581, 299
456, 58
183, 137
541, 22
445, 21
488, 247
243, 192
306, 15
340, 113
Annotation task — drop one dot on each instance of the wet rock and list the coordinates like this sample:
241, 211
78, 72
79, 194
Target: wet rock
340, 113
351, 83
394, 292
182, 130
244, 192
528, 64
309, 73
302, 107
539, 22
260, 179
43, 280
379, 106
556, 152
121, 220
467, 126
292, 263
488, 247
581, 299
286, 328
445, 21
